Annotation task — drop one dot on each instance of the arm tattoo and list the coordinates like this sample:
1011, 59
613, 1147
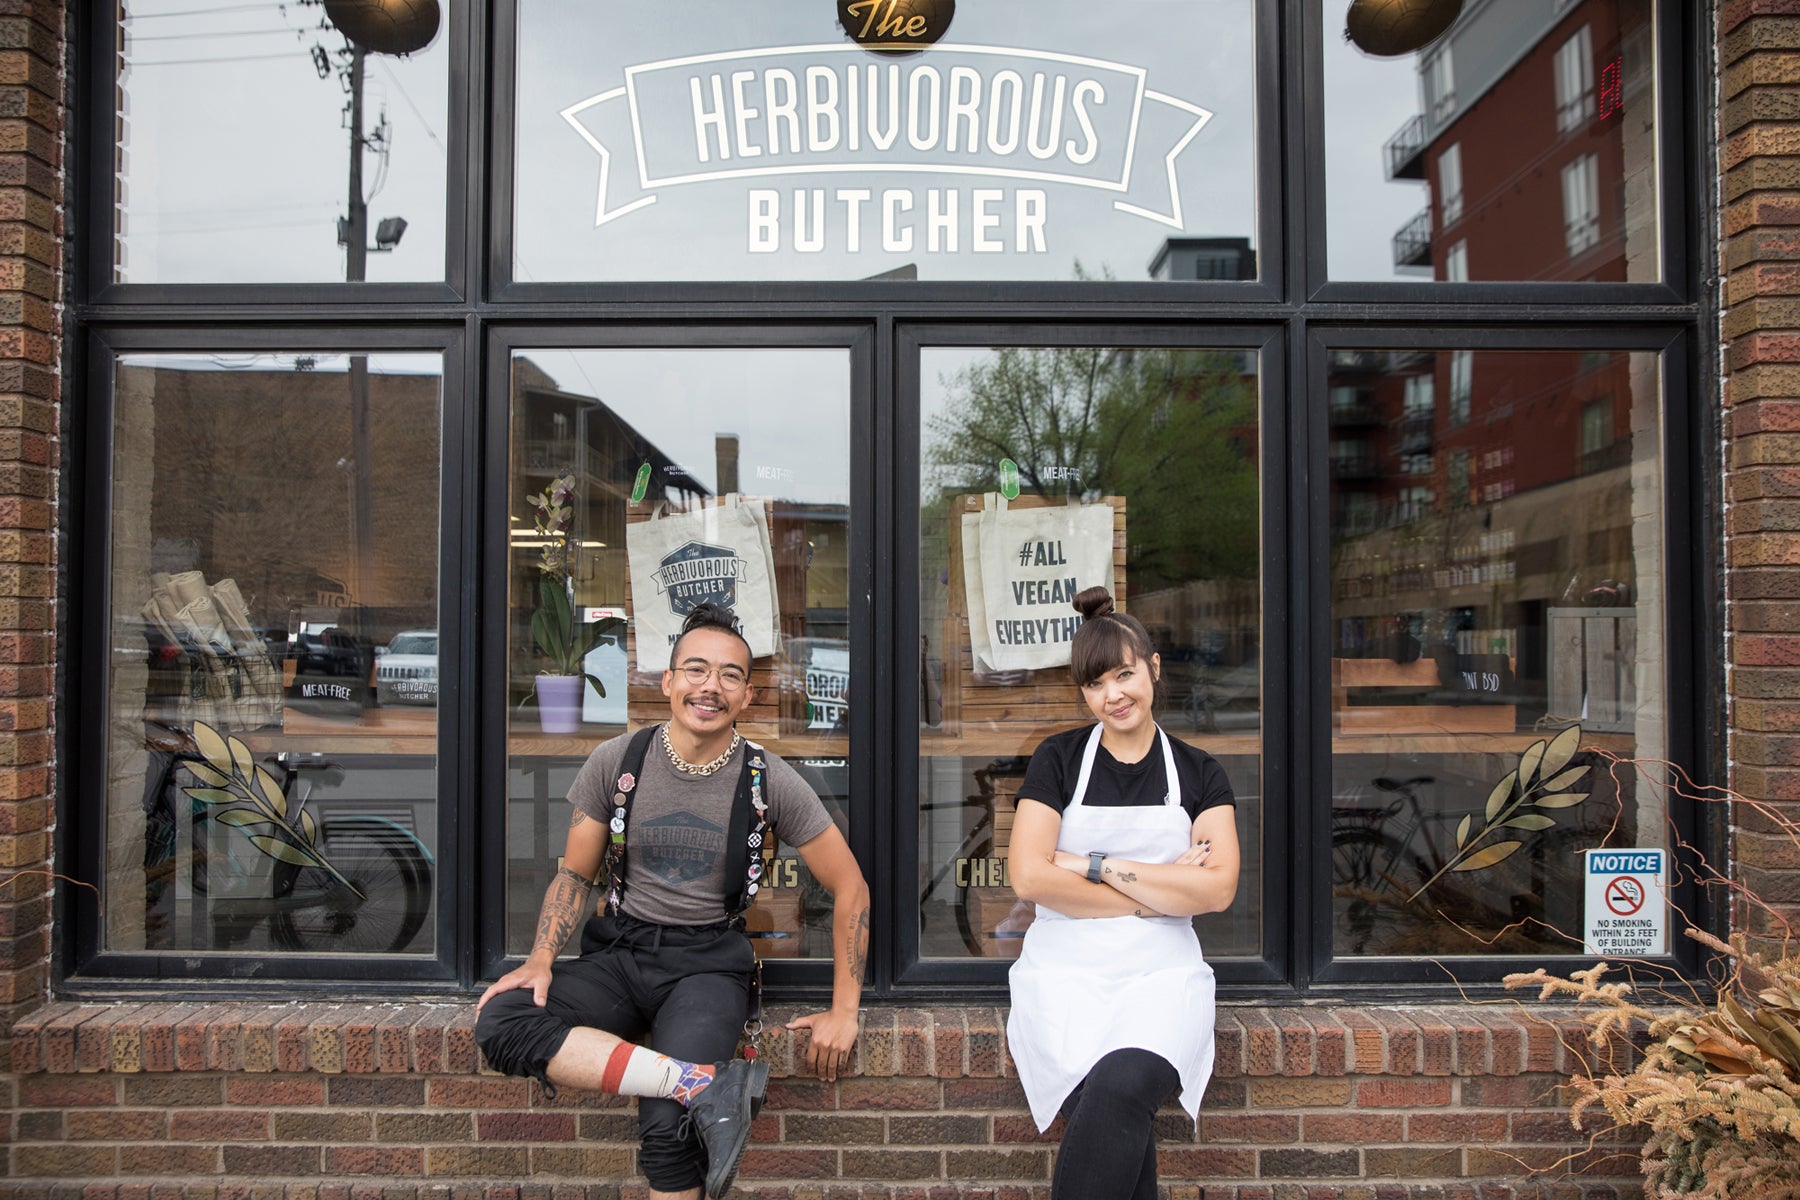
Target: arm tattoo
1124, 876
577, 818
859, 945
564, 901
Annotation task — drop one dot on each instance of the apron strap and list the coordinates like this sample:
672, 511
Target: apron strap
1171, 797
1087, 768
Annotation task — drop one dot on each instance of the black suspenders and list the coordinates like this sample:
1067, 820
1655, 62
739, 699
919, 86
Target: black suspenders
743, 840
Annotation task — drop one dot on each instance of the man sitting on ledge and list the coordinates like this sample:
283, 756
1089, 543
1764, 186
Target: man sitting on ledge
667, 955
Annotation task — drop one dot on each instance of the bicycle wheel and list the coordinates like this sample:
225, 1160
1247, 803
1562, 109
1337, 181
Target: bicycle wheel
319, 914
1368, 901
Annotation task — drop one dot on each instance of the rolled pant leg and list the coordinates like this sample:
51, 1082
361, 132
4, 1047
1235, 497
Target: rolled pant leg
520, 1038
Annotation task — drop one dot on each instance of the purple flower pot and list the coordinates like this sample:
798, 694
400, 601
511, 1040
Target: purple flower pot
559, 702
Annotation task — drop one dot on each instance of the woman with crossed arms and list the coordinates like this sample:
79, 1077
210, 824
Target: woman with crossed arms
1122, 835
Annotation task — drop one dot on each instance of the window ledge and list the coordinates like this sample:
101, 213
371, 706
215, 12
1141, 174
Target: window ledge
946, 1042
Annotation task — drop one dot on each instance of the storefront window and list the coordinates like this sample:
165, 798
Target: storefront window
257, 144
1540, 116
272, 741
1496, 624
1046, 470
726, 140
687, 475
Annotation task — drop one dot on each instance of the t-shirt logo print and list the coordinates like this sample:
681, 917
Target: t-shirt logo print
679, 848
699, 573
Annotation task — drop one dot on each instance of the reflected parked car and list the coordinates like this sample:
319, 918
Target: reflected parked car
407, 673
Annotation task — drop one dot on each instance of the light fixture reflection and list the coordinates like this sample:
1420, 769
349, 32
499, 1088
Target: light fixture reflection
386, 26
895, 26
1393, 27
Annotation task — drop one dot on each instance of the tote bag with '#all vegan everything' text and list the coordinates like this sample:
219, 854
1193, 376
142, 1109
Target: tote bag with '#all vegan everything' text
1022, 568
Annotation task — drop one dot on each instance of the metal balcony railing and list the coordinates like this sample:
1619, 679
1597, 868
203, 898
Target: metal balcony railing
1405, 151
1412, 245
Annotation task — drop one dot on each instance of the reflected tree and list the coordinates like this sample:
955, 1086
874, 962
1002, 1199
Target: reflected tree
1173, 430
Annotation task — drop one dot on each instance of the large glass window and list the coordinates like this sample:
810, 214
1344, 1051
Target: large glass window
729, 140
1494, 650
255, 143
1513, 85
271, 751
644, 482
1046, 470
702, 243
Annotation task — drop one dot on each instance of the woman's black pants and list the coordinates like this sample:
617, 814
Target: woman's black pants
1109, 1147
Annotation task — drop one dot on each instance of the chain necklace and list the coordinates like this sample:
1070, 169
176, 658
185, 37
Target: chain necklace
683, 765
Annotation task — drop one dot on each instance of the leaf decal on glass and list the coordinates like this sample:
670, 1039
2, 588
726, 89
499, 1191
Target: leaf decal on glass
1497, 798
242, 760
207, 775
271, 791
213, 749
244, 795
287, 852
1487, 857
1541, 780
1529, 762
1562, 782
1563, 801
1561, 749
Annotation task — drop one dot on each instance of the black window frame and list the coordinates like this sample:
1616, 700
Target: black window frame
478, 311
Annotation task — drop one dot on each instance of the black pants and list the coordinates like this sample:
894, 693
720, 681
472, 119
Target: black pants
687, 987
1109, 1146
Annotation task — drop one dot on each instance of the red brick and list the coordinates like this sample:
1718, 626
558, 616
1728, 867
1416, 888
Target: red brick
1353, 1128
525, 1127
1250, 1127
1404, 1093
220, 1125
375, 1160
274, 1091
1456, 1127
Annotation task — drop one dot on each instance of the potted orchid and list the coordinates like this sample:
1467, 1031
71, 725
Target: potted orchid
561, 639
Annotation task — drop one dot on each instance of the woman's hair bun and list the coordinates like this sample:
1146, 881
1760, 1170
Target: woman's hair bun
1093, 602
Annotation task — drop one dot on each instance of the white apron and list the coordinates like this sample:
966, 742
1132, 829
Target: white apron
1083, 987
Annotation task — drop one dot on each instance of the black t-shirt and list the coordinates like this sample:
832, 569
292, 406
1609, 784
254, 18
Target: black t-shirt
1056, 765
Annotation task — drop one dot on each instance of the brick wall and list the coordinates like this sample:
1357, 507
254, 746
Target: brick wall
1759, 131
186, 1102
30, 346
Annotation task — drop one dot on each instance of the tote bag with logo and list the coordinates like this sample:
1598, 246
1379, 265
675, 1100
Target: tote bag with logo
721, 555
1033, 562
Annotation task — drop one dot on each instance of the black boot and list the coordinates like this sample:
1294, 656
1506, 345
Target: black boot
722, 1115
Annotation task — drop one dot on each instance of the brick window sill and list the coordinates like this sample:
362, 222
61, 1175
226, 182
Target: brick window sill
943, 1043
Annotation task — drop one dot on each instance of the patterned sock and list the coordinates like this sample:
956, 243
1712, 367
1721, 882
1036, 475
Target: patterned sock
638, 1071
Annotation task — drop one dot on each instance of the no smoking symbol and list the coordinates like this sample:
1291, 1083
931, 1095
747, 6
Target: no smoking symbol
1624, 895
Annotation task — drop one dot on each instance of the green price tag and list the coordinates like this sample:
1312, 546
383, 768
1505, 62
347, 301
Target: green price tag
641, 485
1009, 479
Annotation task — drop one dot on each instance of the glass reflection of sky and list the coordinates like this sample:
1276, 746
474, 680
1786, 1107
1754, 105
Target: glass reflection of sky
790, 410
571, 51
234, 153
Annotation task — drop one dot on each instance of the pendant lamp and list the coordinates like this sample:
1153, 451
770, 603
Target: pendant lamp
1392, 27
386, 26
895, 26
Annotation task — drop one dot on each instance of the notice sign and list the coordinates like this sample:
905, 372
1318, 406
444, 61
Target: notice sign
1627, 903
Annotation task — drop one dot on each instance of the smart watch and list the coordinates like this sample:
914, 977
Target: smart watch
1095, 858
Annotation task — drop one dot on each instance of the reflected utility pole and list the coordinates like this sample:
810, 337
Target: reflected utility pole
355, 235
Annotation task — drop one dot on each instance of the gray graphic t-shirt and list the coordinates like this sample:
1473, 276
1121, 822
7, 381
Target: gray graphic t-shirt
675, 846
